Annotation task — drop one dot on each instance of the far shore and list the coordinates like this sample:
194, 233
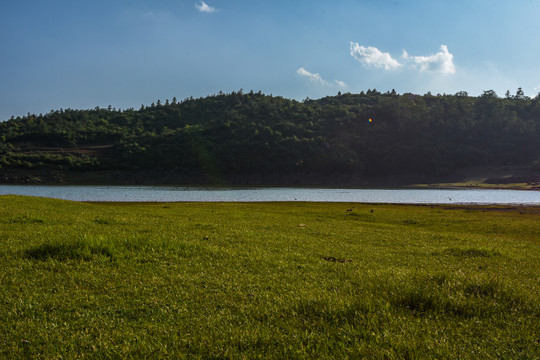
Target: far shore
509, 178
466, 185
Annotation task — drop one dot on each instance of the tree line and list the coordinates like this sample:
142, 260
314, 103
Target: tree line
368, 134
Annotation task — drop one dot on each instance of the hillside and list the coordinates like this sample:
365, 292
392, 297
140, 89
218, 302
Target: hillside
252, 138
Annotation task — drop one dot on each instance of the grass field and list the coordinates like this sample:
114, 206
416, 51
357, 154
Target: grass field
267, 280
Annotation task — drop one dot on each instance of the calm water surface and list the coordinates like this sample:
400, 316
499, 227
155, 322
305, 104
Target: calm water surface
172, 193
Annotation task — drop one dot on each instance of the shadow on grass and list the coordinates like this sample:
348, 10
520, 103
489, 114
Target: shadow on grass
471, 252
421, 296
462, 298
25, 219
64, 252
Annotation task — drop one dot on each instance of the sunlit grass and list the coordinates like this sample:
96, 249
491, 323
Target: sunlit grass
275, 280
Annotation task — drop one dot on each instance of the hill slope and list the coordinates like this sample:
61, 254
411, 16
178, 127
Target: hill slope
254, 138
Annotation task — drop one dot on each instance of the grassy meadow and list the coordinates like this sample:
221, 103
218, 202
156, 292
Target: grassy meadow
267, 280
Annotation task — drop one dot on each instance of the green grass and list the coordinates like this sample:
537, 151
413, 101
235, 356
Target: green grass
244, 280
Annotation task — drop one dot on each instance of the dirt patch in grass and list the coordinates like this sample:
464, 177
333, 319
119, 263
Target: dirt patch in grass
495, 208
333, 259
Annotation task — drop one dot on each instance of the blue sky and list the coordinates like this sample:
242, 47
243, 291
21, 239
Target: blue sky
82, 54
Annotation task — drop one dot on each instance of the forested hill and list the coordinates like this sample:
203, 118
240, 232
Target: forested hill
228, 137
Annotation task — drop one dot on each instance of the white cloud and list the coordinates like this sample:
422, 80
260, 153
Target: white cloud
313, 77
372, 57
341, 83
204, 7
441, 62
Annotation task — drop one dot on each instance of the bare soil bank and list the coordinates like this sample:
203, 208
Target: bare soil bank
507, 177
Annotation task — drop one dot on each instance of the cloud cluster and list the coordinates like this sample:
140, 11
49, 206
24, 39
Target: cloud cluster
371, 56
318, 79
204, 7
441, 62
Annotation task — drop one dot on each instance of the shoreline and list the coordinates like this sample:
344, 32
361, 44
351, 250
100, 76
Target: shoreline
514, 181
444, 206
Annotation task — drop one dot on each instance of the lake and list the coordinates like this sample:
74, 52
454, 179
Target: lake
219, 194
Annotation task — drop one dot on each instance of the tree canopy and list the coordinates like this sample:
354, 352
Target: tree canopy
367, 135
